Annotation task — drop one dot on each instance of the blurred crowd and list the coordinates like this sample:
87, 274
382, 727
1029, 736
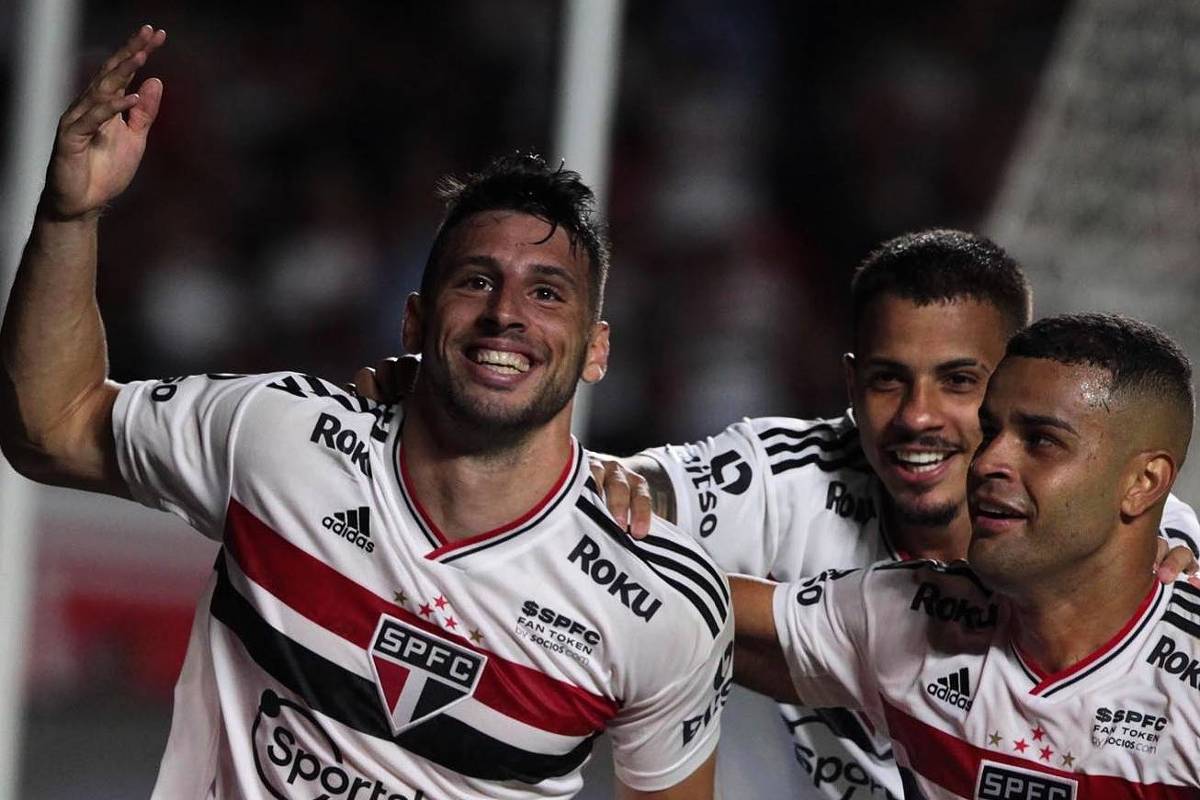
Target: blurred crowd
286, 205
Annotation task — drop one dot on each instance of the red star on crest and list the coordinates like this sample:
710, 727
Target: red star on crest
1046, 753
1019, 745
426, 610
440, 602
451, 622
1038, 733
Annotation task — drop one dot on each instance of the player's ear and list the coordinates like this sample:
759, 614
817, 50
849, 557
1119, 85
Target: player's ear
1148, 480
596, 364
848, 364
413, 331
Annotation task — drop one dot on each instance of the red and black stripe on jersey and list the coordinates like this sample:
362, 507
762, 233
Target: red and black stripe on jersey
680, 567
327, 598
829, 446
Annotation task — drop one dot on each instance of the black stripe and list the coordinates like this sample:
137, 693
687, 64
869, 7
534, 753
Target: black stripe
854, 460
1021, 663
457, 554
354, 701
792, 433
1116, 650
1175, 533
1183, 623
715, 590
429, 537
912, 563
675, 547
957, 569
606, 524
1190, 606
1186, 588
840, 443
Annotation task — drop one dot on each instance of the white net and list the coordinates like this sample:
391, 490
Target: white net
1102, 198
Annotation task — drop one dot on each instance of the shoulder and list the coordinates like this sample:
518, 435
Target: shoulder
665, 577
940, 593
816, 446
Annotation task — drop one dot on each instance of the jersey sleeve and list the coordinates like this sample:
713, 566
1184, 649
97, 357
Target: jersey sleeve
723, 497
175, 441
671, 726
822, 627
1179, 525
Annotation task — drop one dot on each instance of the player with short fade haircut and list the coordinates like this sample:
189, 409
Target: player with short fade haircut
939, 266
887, 481
524, 182
1052, 663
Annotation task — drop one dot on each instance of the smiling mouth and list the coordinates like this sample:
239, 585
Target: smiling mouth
919, 461
989, 510
504, 362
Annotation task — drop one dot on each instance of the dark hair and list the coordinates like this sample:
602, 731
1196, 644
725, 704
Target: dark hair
1139, 357
940, 266
525, 183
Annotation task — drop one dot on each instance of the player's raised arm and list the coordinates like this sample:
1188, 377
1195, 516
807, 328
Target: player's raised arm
55, 400
758, 660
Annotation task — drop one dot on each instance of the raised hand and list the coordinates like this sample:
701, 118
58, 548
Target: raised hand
97, 150
626, 493
389, 381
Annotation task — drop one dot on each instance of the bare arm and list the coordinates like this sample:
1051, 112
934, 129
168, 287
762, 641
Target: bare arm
55, 399
758, 660
697, 786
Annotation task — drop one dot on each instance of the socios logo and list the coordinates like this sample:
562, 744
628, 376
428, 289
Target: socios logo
296, 758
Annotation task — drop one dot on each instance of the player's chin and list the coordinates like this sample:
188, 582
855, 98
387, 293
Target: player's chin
927, 509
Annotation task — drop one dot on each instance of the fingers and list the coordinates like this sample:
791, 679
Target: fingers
641, 506
143, 113
1179, 560
365, 384
111, 81
614, 485
398, 376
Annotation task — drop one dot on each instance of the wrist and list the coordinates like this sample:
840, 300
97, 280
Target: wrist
47, 212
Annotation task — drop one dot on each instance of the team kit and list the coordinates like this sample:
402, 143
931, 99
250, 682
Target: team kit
437, 595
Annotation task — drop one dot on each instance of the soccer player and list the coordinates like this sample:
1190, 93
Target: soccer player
427, 602
784, 498
1055, 665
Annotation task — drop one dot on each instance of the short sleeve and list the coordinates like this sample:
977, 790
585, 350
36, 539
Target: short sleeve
822, 627
722, 495
175, 440
1179, 525
661, 739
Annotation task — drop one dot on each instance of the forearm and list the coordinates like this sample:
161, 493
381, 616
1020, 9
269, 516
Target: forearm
52, 350
758, 660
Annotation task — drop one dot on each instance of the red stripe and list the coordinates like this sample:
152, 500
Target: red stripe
1045, 679
954, 764
449, 545
314, 589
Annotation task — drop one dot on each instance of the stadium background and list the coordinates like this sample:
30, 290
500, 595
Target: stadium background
759, 150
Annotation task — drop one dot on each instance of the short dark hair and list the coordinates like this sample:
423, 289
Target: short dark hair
941, 266
1140, 358
525, 183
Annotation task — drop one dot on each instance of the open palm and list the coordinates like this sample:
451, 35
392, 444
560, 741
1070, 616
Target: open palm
97, 150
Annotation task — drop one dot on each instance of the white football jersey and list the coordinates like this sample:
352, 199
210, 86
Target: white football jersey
785, 498
346, 649
928, 653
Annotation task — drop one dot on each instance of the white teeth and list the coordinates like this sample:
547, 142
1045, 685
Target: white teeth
502, 361
920, 458
988, 508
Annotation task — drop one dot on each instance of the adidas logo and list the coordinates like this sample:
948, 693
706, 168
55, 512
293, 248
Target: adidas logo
353, 526
954, 689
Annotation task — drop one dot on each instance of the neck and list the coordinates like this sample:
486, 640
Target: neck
467, 486
1062, 620
940, 542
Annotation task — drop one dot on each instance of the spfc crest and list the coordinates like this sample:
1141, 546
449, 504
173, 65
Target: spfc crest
420, 674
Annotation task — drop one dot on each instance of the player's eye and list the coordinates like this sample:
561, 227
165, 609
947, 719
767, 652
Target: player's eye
961, 381
547, 293
884, 380
477, 283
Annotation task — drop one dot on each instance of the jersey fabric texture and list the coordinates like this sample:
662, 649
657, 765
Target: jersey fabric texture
785, 498
928, 652
345, 649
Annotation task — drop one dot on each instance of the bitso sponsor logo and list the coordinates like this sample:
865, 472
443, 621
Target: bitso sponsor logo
728, 472
952, 609
632, 594
1128, 728
722, 684
297, 759
954, 689
420, 674
353, 526
329, 432
1006, 782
